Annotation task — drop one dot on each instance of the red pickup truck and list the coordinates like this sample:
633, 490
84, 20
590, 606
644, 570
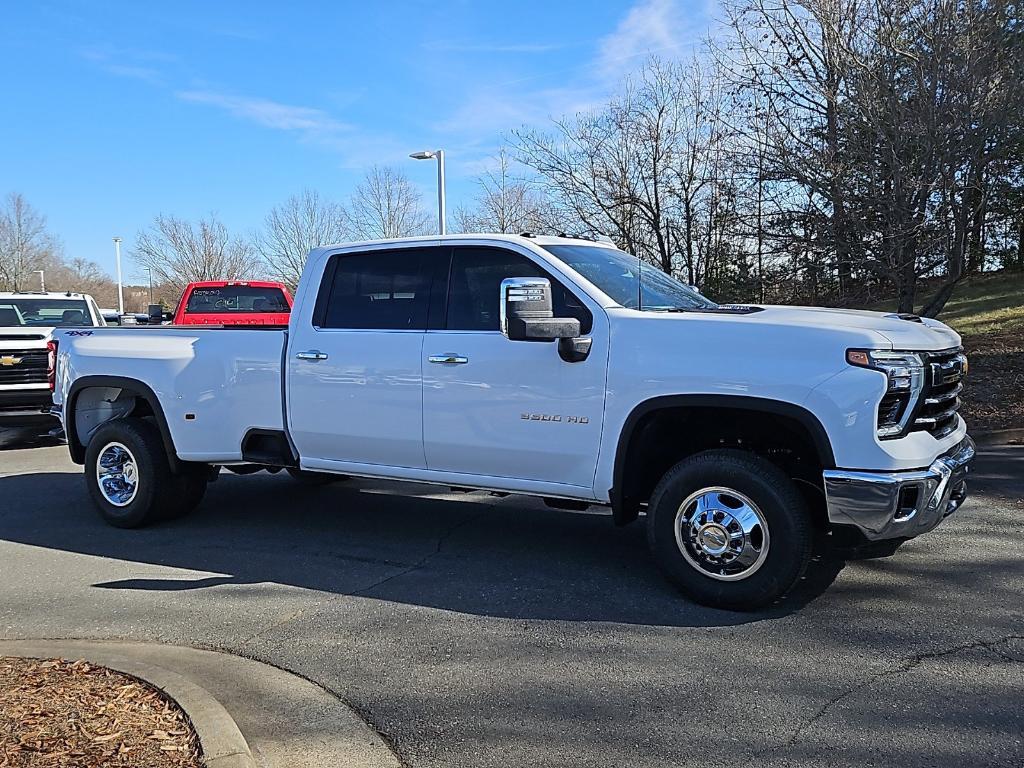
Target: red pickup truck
234, 302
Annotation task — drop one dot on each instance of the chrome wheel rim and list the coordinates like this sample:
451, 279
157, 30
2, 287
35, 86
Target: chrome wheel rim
722, 533
117, 474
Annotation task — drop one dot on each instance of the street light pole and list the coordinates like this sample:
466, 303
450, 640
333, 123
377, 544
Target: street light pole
42, 281
120, 286
441, 228
437, 154
150, 271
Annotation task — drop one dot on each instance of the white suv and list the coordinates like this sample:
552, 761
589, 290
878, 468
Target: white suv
27, 321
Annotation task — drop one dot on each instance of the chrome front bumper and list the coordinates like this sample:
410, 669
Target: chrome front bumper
899, 505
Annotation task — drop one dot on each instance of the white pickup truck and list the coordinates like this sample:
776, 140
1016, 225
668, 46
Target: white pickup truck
27, 322
554, 367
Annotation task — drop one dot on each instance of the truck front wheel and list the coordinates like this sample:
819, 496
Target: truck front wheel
730, 529
130, 479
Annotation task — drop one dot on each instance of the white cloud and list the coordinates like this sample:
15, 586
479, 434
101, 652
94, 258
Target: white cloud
109, 53
355, 146
268, 113
457, 47
146, 74
129, 62
648, 27
651, 26
489, 111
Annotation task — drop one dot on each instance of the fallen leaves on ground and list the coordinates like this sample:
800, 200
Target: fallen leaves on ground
72, 714
994, 389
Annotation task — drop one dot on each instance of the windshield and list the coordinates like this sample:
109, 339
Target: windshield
27, 313
615, 273
235, 298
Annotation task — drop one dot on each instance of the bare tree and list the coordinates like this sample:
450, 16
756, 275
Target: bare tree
505, 203
980, 61
643, 168
25, 243
790, 62
292, 229
84, 276
587, 166
179, 252
386, 204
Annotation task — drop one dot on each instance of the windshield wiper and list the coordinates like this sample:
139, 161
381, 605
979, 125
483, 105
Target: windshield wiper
721, 309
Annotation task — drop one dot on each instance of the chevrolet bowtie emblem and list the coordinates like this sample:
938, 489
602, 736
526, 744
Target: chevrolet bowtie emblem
9, 360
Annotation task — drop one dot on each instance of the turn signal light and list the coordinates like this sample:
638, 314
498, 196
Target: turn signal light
51, 364
858, 357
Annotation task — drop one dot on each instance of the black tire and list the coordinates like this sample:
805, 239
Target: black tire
158, 493
789, 534
191, 484
308, 477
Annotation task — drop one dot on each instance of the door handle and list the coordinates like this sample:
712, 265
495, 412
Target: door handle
313, 354
448, 358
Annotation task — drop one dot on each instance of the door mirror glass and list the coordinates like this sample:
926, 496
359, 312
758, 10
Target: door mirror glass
526, 313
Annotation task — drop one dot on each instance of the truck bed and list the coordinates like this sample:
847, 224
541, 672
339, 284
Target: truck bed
215, 384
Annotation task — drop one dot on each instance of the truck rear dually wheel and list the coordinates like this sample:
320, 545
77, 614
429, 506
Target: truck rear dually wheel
729, 529
130, 479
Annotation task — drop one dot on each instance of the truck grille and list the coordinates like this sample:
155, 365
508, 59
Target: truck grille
940, 398
23, 366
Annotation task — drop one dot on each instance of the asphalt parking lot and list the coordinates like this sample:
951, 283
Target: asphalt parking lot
476, 631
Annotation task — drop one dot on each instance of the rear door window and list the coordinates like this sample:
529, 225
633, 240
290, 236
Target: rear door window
377, 290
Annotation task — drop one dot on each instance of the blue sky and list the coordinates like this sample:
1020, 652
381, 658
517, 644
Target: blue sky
115, 112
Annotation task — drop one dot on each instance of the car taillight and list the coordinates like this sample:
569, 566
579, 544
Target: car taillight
51, 364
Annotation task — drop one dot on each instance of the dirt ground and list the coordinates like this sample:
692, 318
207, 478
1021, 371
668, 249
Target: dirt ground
73, 714
994, 390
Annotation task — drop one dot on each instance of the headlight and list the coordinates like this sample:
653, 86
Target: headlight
904, 372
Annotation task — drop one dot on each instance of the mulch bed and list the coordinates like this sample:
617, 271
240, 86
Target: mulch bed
73, 714
994, 389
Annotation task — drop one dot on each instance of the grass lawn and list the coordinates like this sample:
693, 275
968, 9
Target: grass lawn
988, 311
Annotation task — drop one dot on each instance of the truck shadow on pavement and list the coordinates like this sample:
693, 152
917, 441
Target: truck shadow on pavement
470, 553
17, 438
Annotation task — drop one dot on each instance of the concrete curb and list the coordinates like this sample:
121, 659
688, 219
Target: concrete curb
998, 436
247, 714
223, 744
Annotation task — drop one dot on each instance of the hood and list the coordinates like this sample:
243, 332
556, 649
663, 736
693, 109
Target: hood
901, 331
857, 328
18, 336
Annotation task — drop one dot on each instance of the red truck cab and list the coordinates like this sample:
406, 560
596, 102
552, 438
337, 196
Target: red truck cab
234, 302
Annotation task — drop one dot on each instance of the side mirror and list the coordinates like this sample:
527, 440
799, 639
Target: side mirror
526, 313
156, 313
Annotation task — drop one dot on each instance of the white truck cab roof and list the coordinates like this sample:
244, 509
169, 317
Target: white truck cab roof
70, 295
28, 310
